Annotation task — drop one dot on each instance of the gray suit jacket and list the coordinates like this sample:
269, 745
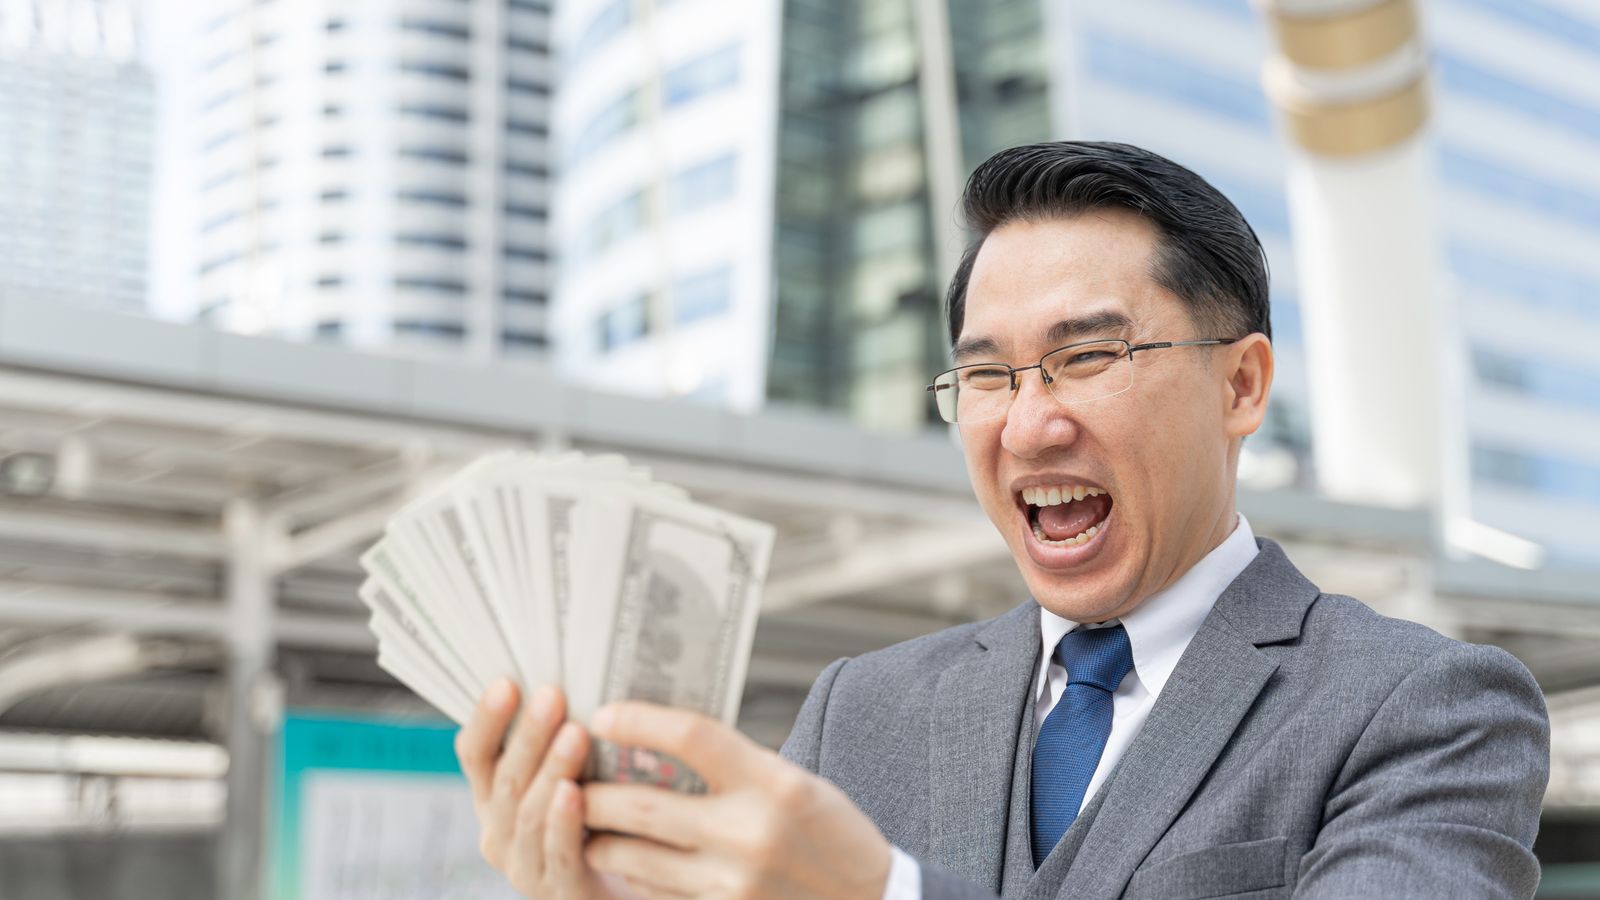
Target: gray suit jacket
1305, 746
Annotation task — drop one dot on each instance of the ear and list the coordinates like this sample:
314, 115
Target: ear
1248, 367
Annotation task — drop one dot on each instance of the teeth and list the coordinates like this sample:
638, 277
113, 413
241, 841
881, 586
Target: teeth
1082, 538
1053, 496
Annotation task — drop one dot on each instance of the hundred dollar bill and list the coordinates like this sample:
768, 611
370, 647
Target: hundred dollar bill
676, 589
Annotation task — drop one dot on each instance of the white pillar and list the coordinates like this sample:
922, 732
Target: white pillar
252, 698
1382, 348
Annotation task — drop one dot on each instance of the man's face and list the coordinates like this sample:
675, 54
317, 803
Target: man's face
1159, 451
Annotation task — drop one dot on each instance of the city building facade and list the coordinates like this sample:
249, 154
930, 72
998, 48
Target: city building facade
377, 173
77, 125
839, 305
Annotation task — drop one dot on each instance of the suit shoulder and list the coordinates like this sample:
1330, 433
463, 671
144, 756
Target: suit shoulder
916, 661
1352, 632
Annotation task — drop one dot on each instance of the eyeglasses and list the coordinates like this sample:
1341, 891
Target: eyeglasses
1076, 373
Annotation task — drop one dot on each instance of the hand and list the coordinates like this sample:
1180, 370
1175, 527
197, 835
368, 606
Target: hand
527, 799
766, 828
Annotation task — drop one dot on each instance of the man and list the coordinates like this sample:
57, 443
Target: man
1175, 713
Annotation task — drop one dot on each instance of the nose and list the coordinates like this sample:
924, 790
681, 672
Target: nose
1036, 421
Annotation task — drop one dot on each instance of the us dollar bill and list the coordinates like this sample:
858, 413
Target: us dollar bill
672, 625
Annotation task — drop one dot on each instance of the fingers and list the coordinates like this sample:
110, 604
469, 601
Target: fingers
648, 812
649, 868
564, 762
717, 753
478, 744
566, 872
522, 757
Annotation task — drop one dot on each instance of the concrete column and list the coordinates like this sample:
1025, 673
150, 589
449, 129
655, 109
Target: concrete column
1350, 82
252, 697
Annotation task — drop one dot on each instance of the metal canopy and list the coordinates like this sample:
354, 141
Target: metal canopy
201, 497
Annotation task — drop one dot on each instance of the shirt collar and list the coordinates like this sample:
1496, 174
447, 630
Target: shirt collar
1160, 628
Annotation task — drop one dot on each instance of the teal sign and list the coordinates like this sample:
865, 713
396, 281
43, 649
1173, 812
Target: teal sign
375, 809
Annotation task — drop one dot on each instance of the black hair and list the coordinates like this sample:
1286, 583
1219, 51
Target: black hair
1208, 254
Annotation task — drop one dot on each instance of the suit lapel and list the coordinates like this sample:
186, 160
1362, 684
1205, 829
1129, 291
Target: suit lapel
1214, 685
978, 711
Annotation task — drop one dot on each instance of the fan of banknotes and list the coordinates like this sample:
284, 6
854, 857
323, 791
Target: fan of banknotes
573, 570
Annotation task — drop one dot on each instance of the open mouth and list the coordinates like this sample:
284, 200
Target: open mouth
1065, 515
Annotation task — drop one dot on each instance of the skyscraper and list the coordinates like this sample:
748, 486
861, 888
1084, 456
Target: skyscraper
377, 173
867, 105
76, 128
665, 124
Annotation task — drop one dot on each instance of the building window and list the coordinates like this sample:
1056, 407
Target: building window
450, 199
219, 180
333, 67
434, 241
430, 329
330, 281
334, 195
442, 71
1518, 188
1157, 73
534, 170
330, 329
435, 154
616, 118
533, 129
438, 29
525, 45
331, 237
532, 298
703, 296
610, 21
693, 79
335, 151
533, 6
701, 186
625, 324
615, 223
439, 113
521, 211
335, 25
433, 285
522, 340
1487, 270
524, 86
215, 263
526, 254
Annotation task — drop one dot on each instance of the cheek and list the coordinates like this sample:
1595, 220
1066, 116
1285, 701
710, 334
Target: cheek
980, 447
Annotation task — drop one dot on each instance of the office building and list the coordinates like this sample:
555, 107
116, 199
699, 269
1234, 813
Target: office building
377, 173
76, 127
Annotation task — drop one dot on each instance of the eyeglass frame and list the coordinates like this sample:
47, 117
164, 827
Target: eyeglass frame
1016, 383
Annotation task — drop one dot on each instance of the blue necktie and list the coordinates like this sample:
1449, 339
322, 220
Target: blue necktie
1074, 734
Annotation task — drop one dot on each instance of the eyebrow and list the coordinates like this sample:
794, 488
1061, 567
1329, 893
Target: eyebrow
1062, 332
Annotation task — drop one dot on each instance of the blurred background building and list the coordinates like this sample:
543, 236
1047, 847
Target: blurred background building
376, 174
77, 130
742, 216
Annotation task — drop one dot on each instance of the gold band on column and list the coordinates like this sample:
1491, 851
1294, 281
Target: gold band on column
1343, 40
1351, 129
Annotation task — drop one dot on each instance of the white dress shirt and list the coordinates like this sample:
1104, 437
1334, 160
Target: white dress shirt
1159, 630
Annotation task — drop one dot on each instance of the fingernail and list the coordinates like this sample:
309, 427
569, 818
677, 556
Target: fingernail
604, 719
500, 693
543, 699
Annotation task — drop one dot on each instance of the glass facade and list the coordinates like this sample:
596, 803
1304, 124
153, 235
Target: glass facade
859, 322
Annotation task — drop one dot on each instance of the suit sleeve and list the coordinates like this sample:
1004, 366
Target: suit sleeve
804, 748
1440, 797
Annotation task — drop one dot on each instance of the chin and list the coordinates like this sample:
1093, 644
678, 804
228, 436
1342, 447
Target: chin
1082, 596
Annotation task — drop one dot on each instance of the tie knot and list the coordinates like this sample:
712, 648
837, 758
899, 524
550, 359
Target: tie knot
1098, 656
